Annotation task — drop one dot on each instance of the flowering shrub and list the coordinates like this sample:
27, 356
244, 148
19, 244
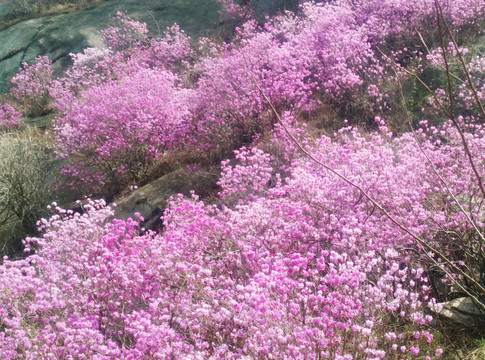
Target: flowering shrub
244, 181
130, 93
31, 86
90, 68
127, 33
95, 66
402, 18
118, 126
169, 51
9, 117
232, 10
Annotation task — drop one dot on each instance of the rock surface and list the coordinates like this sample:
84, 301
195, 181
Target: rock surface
462, 310
58, 35
150, 200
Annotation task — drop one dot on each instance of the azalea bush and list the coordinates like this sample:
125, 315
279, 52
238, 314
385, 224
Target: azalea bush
117, 127
133, 95
31, 86
9, 117
127, 49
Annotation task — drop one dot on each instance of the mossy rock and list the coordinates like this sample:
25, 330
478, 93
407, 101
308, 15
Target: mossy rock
56, 36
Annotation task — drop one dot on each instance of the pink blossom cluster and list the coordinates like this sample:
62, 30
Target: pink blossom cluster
122, 106
328, 48
296, 61
94, 66
233, 10
289, 59
401, 17
248, 178
127, 33
31, 85
326, 53
122, 124
9, 117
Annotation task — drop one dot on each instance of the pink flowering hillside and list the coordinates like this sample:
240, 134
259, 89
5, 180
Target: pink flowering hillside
333, 232
331, 53
296, 266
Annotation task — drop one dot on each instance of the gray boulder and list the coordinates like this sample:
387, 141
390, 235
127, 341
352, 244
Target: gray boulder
58, 35
463, 311
151, 200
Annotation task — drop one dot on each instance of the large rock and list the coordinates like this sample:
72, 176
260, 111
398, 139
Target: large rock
462, 310
151, 200
58, 35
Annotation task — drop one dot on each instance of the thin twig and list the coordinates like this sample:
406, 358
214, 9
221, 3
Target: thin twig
433, 167
451, 115
462, 61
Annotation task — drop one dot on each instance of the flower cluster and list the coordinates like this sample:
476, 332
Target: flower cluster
127, 33
123, 124
233, 10
31, 85
9, 117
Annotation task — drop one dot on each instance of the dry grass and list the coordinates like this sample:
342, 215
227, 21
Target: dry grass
477, 354
26, 169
